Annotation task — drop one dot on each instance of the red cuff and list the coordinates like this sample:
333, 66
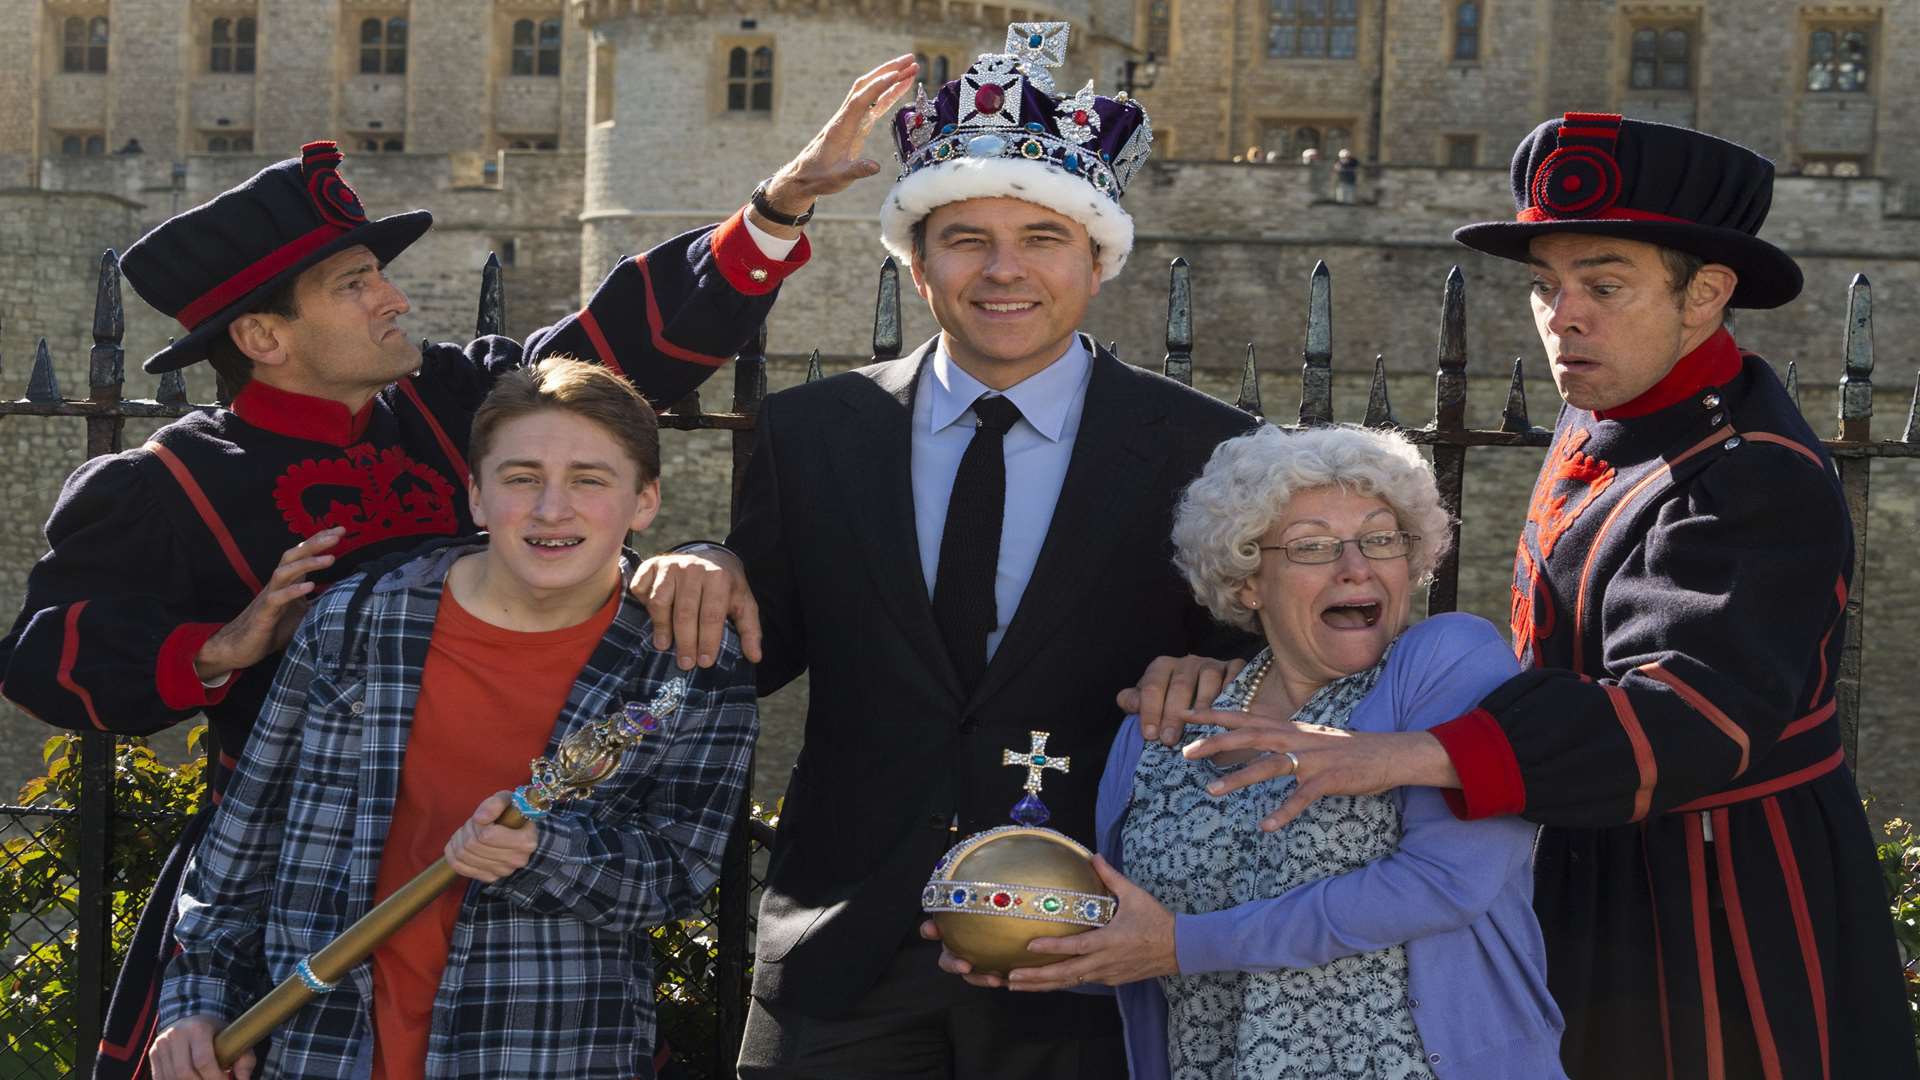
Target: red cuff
1490, 784
745, 266
173, 674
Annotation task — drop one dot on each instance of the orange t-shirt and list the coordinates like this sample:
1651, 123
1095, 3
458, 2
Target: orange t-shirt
489, 698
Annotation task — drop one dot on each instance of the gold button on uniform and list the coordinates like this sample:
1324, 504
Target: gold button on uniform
757, 274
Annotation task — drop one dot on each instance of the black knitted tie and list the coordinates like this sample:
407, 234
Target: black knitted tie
970, 543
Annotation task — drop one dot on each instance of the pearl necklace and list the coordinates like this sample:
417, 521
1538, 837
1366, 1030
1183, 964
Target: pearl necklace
1253, 685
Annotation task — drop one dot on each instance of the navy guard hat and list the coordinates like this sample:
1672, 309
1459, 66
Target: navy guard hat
209, 265
1605, 175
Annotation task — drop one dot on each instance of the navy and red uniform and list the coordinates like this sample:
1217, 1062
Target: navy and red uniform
1706, 879
153, 549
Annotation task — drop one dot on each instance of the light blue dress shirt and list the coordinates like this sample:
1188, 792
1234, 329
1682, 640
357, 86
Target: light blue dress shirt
1037, 450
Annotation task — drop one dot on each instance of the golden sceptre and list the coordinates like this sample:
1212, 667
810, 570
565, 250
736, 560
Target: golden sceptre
584, 759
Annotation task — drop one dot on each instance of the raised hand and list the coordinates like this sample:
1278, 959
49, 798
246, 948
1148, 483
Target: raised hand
831, 161
267, 624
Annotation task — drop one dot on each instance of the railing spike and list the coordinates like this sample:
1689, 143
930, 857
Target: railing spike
1178, 365
1379, 409
1450, 382
886, 312
1316, 368
1856, 383
492, 317
1793, 383
1514, 416
172, 389
1913, 412
1250, 385
43, 384
814, 374
106, 363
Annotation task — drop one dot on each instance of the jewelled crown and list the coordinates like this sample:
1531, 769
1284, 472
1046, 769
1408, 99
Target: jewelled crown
1003, 129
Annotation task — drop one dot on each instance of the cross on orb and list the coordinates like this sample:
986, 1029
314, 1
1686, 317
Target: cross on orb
1035, 760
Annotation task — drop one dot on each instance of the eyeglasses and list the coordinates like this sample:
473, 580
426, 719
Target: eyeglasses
1316, 550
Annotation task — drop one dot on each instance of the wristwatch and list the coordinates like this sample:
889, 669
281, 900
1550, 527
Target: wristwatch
767, 211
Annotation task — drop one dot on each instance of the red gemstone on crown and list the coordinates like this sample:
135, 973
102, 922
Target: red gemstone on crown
1001, 900
1080, 117
989, 98
914, 120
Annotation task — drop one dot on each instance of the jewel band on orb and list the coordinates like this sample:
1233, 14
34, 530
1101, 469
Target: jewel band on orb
1018, 902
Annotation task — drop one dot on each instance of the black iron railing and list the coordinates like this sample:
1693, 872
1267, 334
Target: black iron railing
717, 948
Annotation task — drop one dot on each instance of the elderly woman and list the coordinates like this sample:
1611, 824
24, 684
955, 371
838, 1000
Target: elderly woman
1375, 936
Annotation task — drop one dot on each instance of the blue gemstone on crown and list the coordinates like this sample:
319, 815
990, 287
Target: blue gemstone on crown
948, 129
1036, 127
1034, 41
1072, 162
986, 146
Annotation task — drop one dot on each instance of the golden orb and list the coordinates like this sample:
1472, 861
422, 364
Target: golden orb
997, 890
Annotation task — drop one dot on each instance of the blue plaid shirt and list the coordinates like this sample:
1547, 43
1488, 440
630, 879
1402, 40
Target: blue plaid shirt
550, 971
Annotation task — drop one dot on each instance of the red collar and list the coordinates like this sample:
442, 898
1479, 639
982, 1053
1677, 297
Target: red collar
300, 416
1713, 363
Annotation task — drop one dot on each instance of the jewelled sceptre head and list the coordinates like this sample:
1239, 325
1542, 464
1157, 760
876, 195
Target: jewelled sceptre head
997, 890
584, 759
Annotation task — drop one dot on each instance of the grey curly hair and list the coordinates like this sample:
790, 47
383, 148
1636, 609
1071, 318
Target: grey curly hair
1248, 481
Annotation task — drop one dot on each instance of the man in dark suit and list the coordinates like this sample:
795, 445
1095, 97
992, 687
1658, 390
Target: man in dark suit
961, 546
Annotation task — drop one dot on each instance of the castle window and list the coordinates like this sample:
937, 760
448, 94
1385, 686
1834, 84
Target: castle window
1313, 29
383, 46
82, 143
230, 45
1466, 31
85, 45
750, 79
536, 47
1837, 59
1463, 151
230, 142
1288, 138
1841, 165
1662, 58
1160, 28
388, 143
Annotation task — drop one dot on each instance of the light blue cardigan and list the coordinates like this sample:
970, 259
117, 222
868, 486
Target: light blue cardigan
1459, 894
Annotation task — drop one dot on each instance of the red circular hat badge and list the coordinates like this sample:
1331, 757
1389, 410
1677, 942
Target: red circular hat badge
336, 202
1580, 179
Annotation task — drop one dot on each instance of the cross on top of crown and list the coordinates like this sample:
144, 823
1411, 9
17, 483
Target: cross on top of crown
1041, 43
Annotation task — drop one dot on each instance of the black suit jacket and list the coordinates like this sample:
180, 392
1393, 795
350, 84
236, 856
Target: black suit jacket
894, 750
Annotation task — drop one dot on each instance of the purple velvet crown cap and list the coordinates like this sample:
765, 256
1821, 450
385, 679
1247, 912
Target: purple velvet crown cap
1011, 95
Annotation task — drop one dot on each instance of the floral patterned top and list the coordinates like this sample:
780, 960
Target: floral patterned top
1196, 853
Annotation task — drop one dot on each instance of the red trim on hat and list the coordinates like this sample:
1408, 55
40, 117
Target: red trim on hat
1534, 214
263, 270
1714, 362
300, 416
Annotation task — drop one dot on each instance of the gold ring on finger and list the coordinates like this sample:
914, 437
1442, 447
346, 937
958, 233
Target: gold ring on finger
1295, 759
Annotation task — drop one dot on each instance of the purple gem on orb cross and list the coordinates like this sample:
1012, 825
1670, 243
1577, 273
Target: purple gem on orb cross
1031, 812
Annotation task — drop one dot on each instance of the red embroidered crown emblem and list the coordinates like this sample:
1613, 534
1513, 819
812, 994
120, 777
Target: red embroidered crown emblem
332, 197
374, 494
1551, 515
